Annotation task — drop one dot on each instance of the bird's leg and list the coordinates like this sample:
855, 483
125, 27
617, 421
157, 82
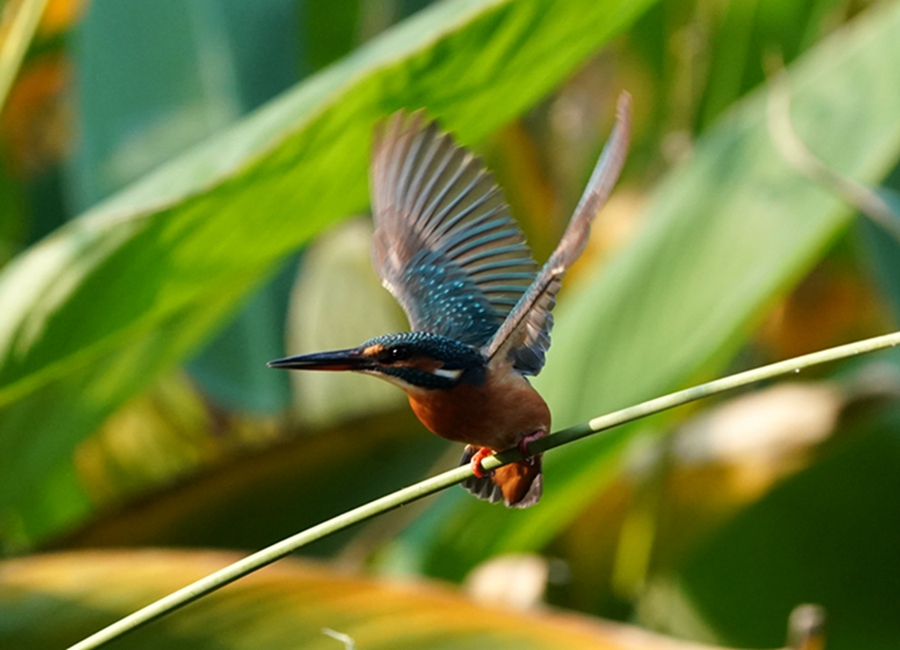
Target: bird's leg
484, 452
525, 441
480, 455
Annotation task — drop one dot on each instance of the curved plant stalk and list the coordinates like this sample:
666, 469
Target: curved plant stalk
262, 558
20, 21
797, 154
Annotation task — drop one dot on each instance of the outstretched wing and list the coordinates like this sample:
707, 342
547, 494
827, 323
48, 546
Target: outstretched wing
445, 244
526, 331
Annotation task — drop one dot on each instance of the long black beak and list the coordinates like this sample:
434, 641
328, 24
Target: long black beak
337, 360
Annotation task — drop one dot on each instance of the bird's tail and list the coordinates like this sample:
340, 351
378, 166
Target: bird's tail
518, 485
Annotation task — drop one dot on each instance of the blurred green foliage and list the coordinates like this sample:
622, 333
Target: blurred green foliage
163, 165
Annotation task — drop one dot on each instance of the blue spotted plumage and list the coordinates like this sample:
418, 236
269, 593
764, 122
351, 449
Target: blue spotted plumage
452, 356
453, 306
445, 243
447, 248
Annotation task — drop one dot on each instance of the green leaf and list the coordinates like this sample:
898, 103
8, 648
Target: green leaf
195, 70
254, 498
337, 302
330, 30
101, 307
726, 234
54, 601
827, 536
228, 367
882, 248
747, 33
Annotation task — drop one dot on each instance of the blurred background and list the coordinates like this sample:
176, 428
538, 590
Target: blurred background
184, 197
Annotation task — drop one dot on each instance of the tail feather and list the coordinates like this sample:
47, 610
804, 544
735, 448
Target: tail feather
518, 485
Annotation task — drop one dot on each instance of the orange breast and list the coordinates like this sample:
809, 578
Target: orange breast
495, 415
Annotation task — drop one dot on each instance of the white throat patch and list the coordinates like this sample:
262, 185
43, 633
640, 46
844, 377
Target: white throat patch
447, 374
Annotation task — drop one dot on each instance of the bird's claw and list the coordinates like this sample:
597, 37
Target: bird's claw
525, 441
484, 452
479, 456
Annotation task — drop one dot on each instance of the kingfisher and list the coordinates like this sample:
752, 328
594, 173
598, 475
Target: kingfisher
479, 307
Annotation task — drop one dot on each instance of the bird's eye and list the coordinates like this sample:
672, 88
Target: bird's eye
393, 355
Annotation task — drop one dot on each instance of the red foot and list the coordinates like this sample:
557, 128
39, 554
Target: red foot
525, 441
479, 456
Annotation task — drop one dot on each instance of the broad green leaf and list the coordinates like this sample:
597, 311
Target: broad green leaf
195, 69
882, 249
12, 219
198, 487
747, 33
337, 302
101, 307
254, 498
142, 100
727, 233
828, 536
54, 601
228, 367
331, 29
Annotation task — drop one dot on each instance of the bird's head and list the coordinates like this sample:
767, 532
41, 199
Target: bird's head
411, 360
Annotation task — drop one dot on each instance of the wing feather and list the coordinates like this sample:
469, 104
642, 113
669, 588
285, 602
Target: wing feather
525, 333
445, 244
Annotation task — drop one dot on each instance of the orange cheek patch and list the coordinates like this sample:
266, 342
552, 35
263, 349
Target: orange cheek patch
419, 363
426, 364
